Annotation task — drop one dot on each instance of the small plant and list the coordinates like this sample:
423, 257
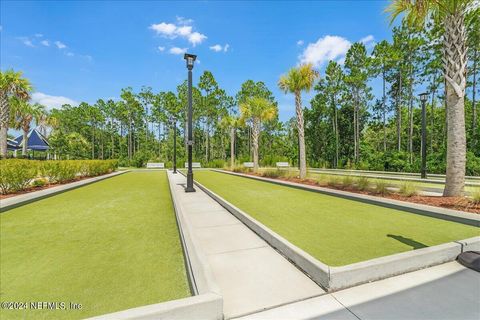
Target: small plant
362, 183
322, 180
347, 181
475, 196
40, 182
273, 173
408, 189
333, 181
381, 187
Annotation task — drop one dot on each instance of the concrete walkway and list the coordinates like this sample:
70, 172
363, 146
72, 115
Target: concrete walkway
449, 291
252, 276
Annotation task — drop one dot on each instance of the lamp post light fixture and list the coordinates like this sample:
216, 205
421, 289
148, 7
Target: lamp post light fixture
173, 120
423, 100
190, 59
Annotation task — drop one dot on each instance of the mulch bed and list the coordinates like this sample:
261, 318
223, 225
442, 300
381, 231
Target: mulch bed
455, 203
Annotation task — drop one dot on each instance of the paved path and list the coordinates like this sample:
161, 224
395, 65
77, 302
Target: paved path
449, 291
252, 276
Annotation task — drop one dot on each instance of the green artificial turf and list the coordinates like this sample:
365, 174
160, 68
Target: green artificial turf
336, 231
110, 246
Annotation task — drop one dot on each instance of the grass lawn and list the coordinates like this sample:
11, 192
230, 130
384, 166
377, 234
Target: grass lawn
333, 230
109, 246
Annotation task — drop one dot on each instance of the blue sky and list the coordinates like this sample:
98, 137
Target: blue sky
81, 51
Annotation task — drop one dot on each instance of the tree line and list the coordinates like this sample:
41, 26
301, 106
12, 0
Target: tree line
344, 126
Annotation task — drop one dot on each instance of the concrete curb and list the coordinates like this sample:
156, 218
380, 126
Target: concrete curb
392, 265
434, 212
207, 303
20, 200
336, 278
471, 244
196, 307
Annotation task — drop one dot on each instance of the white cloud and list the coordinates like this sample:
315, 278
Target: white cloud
177, 50
368, 41
38, 35
216, 48
60, 45
325, 49
70, 54
196, 38
46, 43
184, 21
164, 29
28, 42
183, 29
300, 43
161, 49
51, 101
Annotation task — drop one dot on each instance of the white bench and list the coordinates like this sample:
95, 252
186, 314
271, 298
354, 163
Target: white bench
283, 165
155, 165
194, 165
248, 164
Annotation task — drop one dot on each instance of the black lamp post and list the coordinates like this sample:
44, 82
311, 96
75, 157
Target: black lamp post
423, 99
173, 120
190, 58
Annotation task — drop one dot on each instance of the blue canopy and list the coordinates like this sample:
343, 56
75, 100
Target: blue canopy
36, 141
12, 145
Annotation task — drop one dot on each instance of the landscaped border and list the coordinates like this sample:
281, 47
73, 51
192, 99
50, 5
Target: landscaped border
335, 278
22, 199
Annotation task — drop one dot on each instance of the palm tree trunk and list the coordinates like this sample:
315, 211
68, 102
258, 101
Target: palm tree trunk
25, 141
301, 135
255, 135
455, 61
4, 117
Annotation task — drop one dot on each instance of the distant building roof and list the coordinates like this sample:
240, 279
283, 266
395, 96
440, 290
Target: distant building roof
35, 141
12, 145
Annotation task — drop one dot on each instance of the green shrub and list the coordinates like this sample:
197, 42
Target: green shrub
40, 182
408, 189
381, 187
218, 163
347, 181
139, 159
362, 183
333, 181
16, 174
269, 173
475, 196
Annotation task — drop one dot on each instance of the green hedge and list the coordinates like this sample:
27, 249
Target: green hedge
20, 174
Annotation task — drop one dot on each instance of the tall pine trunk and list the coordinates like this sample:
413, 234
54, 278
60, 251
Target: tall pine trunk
474, 108
399, 112
455, 61
232, 147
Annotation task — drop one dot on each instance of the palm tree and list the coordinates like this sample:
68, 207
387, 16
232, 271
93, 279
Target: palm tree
231, 122
295, 81
24, 113
452, 14
257, 110
12, 84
